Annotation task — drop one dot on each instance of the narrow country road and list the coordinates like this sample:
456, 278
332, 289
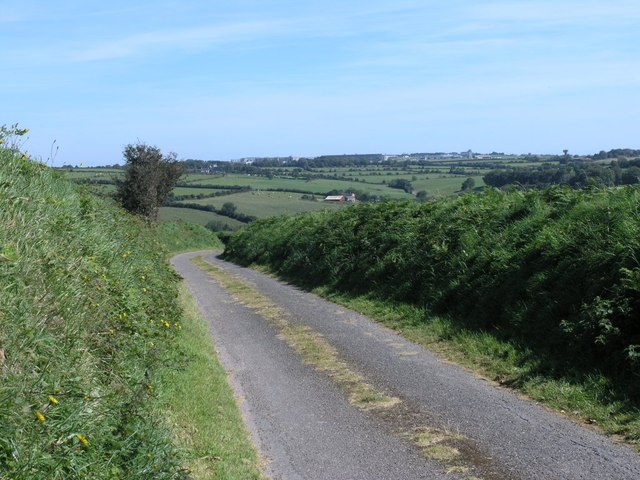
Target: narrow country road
440, 422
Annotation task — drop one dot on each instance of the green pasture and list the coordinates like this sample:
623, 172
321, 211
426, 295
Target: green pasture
195, 191
198, 177
315, 186
189, 215
444, 187
91, 173
263, 204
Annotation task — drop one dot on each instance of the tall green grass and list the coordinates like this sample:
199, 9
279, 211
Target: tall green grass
88, 316
182, 236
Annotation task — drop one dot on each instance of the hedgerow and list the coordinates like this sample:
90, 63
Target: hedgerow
556, 270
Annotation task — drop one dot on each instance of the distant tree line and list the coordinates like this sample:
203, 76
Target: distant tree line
228, 209
199, 196
616, 153
401, 184
576, 175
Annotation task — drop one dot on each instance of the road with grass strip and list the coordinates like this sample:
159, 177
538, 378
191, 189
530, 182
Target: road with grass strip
329, 394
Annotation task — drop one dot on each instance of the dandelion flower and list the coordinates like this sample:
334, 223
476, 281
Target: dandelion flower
53, 400
40, 416
83, 440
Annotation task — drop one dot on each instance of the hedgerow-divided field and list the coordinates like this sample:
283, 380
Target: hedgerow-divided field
269, 191
228, 195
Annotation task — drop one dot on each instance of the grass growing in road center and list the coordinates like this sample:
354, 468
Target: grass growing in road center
310, 345
436, 444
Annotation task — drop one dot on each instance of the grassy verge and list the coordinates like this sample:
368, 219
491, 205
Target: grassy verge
196, 398
201, 408
590, 398
88, 317
182, 236
91, 340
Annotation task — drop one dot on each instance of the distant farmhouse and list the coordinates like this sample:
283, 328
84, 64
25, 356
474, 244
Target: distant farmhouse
347, 197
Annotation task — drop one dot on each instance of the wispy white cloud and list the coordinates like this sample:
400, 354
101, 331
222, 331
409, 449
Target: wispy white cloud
178, 39
556, 13
369, 74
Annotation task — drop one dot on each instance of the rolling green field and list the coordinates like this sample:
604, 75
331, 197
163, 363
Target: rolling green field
277, 190
177, 191
315, 186
267, 204
91, 173
190, 215
444, 187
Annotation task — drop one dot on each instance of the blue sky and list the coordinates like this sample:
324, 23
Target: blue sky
228, 79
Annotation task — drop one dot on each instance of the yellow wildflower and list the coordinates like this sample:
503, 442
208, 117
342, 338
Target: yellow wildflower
40, 416
53, 400
83, 440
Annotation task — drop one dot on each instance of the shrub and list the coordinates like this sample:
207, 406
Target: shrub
148, 179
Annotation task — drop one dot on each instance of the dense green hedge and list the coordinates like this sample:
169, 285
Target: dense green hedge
88, 315
557, 269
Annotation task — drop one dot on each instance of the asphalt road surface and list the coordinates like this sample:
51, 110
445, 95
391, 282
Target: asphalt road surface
305, 427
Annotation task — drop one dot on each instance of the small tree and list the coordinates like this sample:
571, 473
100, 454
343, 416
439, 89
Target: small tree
468, 184
148, 180
228, 209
